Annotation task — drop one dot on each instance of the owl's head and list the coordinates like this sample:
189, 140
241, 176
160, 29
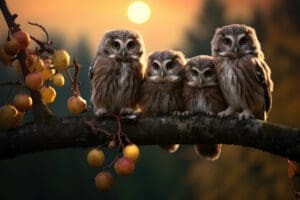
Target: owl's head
200, 72
165, 66
123, 45
235, 41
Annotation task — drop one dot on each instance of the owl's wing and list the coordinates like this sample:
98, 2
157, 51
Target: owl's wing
263, 76
91, 68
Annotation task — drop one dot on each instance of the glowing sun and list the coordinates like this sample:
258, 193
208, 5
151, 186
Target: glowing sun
138, 12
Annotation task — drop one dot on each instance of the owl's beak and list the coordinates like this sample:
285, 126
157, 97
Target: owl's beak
200, 83
162, 74
123, 53
236, 50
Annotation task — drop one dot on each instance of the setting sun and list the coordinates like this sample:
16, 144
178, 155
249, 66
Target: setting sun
138, 12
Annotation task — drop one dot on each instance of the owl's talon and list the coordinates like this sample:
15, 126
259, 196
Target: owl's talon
227, 112
186, 113
100, 112
127, 111
176, 113
209, 113
246, 114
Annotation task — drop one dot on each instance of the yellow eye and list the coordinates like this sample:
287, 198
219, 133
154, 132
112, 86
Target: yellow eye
115, 45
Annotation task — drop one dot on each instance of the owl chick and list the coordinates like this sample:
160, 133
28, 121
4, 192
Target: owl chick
161, 91
243, 75
201, 93
116, 72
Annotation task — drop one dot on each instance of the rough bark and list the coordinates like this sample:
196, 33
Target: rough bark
75, 132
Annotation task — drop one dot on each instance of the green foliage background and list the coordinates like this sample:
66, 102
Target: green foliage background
240, 173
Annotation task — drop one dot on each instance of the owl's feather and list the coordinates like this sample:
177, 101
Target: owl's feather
244, 77
161, 98
204, 99
115, 85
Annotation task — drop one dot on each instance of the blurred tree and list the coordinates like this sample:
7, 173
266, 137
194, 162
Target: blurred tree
280, 27
198, 38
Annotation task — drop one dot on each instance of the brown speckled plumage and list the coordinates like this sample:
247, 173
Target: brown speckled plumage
161, 91
116, 73
202, 94
244, 77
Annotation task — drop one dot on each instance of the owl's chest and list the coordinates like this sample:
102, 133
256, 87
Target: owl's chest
200, 102
230, 80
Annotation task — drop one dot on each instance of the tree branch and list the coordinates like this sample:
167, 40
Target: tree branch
76, 132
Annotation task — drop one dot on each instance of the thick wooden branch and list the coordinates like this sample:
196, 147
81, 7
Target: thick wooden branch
75, 132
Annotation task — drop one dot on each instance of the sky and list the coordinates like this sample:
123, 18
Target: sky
72, 19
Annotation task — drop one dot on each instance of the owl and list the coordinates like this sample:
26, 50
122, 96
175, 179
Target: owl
201, 93
161, 91
116, 72
244, 76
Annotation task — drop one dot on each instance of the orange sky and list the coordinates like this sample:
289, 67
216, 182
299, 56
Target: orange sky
73, 19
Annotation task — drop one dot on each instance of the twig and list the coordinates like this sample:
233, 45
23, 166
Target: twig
17, 84
69, 75
44, 46
43, 29
75, 89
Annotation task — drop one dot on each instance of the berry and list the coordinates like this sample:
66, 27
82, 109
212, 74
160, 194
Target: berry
95, 158
23, 38
61, 59
10, 117
22, 102
104, 181
48, 94
12, 47
124, 166
59, 80
76, 105
131, 151
34, 80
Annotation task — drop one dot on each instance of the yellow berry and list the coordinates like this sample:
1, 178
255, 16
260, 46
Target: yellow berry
48, 73
58, 80
10, 117
5, 58
12, 47
95, 158
22, 102
131, 151
61, 59
48, 94
76, 105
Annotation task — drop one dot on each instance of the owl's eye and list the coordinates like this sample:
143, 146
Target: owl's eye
115, 45
131, 45
244, 40
227, 41
208, 73
194, 72
155, 66
170, 65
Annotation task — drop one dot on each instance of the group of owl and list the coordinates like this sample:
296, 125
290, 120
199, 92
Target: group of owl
235, 79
